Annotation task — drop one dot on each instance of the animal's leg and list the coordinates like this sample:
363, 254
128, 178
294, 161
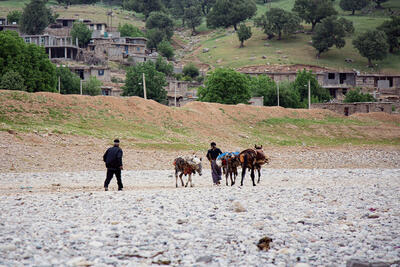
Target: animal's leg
252, 176
191, 182
226, 176
259, 174
235, 173
244, 166
187, 182
176, 178
180, 176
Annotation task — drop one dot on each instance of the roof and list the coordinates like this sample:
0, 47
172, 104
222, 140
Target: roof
73, 19
377, 75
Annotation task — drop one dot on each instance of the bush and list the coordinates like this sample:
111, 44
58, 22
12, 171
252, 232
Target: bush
70, 82
92, 86
165, 49
357, 96
82, 32
12, 80
191, 70
128, 30
14, 16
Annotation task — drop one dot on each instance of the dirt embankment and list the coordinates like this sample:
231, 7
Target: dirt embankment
46, 131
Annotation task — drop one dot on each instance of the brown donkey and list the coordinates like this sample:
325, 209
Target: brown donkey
252, 159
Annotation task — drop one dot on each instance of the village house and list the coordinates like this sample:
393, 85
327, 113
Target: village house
99, 29
56, 47
102, 73
4, 25
180, 90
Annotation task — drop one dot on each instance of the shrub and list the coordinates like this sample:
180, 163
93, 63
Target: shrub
191, 70
12, 80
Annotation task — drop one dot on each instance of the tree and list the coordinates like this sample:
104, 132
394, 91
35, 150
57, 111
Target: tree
162, 22
143, 6
244, 33
318, 93
92, 86
331, 32
225, 13
206, 6
128, 30
191, 70
155, 82
192, 14
14, 17
154, 37
277, 21
379, 2
178, 10
69, 81
372, 45
12, 80
29, 60
163, 66
263, 85
35, 17
225, 86
165, 49
82, 32
392, 30
353, 5
313, 11
357, 96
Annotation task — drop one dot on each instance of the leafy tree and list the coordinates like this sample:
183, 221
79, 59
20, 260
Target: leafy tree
178, 10
277, 21
155, 82
191, 70
143, 6
29, 60
318, 93
225, 13
128, 30
163, 66
192, 14
154, 37
82, 32
92, 86
313, 11
353, 5
12, 80
331, 32
244, 33
379, 3
372, 45
225, 86
289, 97
162, 22
69, 81
392, 30
35, 17
357, 96
206, 6
263, 85
165, 49
14, 16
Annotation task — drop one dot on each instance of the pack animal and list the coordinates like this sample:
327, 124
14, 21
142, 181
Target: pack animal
187, 166
230, 163
252, 159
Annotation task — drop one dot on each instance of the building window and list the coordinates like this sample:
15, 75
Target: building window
344, 91
92, 48
331, 76
27, 40
101, 72
138, 48
99, 27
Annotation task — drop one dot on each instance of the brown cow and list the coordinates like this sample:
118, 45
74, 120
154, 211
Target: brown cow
252, 159
187, 166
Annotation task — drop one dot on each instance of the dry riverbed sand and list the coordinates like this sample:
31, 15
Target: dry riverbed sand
320, 217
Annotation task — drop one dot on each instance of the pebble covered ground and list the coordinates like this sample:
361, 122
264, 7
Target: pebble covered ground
315, 217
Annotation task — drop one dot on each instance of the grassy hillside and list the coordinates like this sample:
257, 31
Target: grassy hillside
147, 124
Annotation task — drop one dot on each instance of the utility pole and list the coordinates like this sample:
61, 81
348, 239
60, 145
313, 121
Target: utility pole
278, 93
144, 87
81, 86
175, 92
59, 84
309, 95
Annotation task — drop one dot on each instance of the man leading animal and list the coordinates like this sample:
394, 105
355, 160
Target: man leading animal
212, 156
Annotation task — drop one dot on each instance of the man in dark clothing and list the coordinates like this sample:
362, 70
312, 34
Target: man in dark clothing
212, 155
113, 160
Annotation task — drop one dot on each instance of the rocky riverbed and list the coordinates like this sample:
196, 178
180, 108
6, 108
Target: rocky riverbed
319, 217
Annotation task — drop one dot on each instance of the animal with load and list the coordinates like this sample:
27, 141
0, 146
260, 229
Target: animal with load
187, 166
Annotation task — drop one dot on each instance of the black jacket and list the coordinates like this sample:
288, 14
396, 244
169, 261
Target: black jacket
113, 157
212, 154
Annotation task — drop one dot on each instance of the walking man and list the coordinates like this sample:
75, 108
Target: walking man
113, 160
212, 155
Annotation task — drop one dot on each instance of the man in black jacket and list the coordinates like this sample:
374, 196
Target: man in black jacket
113, 160
212, 155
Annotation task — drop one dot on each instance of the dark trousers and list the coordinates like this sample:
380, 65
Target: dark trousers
110, 174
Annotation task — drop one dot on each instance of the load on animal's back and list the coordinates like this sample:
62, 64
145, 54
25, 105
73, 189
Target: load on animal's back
187, 166
229, 161
252, 159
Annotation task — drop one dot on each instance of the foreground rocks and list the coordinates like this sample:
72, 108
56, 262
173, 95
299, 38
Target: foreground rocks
314, 217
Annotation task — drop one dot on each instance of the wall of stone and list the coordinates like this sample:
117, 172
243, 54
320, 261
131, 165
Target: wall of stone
351, 108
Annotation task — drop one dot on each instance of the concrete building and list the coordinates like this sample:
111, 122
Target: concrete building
66, 22
56, 47
102, 73
4, 25
180, 90
98, 29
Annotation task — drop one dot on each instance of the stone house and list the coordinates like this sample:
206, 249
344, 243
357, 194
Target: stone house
4, 25
99, 29
180, 90
66, 22
102, 73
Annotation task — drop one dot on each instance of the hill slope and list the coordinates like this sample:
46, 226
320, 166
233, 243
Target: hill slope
147, 124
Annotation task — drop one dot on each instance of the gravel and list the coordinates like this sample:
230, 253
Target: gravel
315, 217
